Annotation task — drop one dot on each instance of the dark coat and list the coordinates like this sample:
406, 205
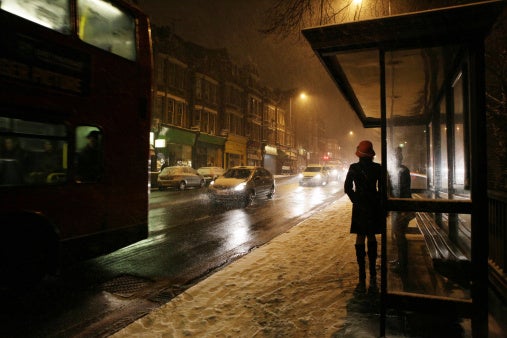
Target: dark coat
361, 185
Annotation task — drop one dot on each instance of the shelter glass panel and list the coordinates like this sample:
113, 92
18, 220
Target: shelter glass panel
424, 258
421, 124
363, 73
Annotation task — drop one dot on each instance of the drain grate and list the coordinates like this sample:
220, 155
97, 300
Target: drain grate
125, 285
167, 294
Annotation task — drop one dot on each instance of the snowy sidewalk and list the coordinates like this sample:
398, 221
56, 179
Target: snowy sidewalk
300, 284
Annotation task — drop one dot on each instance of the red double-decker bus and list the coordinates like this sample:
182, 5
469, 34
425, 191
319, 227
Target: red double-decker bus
75, 87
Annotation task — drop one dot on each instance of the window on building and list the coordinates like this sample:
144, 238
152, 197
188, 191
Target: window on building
169, 115
159, 72
179, 114
158, 110
198, 88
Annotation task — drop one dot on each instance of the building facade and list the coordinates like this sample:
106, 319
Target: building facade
208, 111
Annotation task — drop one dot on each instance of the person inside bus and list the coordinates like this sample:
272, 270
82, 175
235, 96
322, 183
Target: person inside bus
89, 161
13, 162
49, 161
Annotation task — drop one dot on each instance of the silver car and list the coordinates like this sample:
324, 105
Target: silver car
180, 177
242, 184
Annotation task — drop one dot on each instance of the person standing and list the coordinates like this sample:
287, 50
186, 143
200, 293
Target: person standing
362, 186
400, 188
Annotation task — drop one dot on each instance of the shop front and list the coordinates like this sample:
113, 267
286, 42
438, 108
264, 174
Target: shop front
270, 158
177, 146
254, 153
209, 151
235, 151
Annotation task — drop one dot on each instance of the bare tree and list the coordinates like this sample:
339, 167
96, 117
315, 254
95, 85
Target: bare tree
286, 18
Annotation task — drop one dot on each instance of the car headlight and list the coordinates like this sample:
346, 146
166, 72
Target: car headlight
212, 183
240, 187
318, 176
300, 175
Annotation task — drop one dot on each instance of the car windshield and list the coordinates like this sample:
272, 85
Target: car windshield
238, 173
312, 169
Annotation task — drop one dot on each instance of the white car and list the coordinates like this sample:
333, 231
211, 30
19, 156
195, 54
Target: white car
314, 174
179, 177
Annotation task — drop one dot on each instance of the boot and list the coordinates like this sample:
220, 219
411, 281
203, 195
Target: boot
372, 258
360, 256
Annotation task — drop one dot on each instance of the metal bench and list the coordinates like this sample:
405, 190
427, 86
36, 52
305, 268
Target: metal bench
448, 259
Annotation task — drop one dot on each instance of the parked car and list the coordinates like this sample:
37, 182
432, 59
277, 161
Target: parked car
314, 174
210, 173
179, 177
242, 184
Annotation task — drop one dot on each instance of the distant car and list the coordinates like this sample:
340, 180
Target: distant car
242, 184
333, 173
210, 173
314, 174
179, 177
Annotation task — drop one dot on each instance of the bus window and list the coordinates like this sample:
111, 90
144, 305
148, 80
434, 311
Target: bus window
89, 156
53, 14
107, 27
32, 152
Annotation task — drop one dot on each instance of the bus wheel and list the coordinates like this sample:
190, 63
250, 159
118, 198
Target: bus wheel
183, 185
30, 250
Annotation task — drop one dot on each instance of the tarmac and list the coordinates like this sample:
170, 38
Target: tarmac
302, 283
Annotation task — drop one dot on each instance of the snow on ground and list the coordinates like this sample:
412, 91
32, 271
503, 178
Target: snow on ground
301, 284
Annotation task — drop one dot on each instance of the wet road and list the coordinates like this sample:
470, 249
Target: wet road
189, 239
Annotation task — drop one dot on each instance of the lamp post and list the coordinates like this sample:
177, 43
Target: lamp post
303, 97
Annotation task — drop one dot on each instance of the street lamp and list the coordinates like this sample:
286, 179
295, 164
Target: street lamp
294, 126
303, 97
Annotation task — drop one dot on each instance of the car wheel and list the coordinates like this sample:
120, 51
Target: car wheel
249, 198
271, 192
203, 183
182, 185
161, 188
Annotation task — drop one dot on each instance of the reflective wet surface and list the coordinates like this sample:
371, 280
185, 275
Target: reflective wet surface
189, 238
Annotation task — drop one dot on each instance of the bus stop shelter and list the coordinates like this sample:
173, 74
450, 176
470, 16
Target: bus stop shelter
420, 77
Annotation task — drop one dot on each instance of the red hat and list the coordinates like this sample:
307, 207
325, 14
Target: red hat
365, 149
